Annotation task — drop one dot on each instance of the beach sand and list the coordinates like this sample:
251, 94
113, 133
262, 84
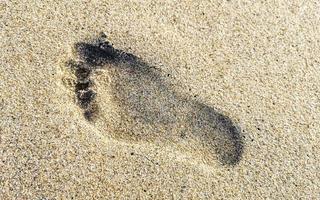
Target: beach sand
222, 100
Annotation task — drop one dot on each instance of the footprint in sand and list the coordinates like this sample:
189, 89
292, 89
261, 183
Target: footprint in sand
148, 107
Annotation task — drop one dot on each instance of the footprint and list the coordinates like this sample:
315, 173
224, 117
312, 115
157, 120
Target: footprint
148, 107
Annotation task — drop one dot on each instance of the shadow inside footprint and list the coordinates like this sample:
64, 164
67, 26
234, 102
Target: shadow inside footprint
150, 105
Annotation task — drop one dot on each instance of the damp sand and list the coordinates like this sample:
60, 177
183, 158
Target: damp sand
161, 125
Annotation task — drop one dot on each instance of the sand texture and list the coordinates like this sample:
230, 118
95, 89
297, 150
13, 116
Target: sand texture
159, 100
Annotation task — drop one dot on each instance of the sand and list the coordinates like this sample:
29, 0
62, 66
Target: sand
255, 64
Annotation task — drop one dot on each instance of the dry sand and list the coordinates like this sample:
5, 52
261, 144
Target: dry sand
255, 62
